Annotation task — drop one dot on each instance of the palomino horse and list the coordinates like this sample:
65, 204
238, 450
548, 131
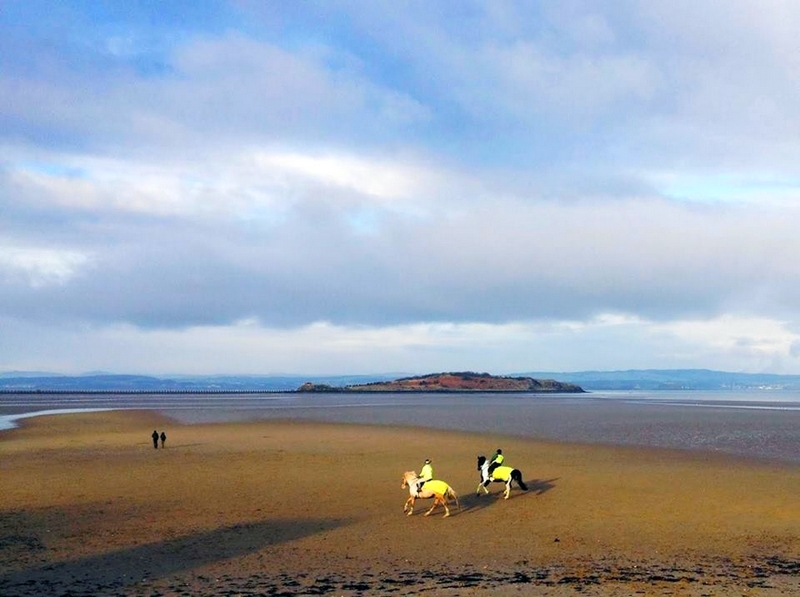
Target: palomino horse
502, 474
438, 490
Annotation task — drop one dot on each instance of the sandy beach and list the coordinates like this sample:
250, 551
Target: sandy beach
88, 507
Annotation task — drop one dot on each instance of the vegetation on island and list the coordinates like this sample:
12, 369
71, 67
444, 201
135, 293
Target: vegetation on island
453, 382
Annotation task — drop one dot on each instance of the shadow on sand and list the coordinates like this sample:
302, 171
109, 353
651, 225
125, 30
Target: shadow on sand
540, 486
472, 502
118, 569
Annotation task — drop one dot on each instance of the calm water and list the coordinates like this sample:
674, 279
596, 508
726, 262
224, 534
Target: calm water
757, 424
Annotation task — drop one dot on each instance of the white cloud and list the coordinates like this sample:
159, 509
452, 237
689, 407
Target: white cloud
608, 342
251, 183
752, 336
39, 267
734, 342
386, 180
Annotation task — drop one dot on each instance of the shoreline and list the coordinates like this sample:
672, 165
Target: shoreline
17, 421
297, 506
702, 422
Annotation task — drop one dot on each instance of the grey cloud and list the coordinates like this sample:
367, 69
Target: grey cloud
505, 261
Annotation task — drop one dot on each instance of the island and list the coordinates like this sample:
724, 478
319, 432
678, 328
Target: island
451, 383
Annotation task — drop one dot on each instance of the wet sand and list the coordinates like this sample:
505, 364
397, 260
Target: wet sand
88, 507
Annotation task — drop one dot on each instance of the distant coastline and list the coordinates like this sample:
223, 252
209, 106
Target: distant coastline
591, 381
126, 391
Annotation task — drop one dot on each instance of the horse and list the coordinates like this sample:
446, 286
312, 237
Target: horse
436, 489
502, 474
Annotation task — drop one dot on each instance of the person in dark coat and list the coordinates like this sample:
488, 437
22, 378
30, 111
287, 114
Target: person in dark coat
496, 461
155, 439
163, 438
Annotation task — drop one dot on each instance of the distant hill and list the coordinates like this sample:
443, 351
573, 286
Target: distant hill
26, 374
453, 382
675, 379
21, 382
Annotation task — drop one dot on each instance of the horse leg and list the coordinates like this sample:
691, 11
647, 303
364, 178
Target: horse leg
508, 488
435, 502
409, 507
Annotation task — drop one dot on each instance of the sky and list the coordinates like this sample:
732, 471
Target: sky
334, 187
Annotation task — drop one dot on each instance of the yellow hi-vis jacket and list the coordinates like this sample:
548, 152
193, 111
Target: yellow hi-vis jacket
426, 474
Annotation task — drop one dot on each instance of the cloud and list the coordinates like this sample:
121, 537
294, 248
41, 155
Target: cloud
37, 267
227, 90
414, 179
246, 347
293, 239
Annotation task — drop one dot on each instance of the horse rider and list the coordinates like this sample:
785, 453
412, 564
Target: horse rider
496, 461
426, 474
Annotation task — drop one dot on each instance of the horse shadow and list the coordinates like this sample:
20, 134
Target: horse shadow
474, 502
535, 487
540, 486
117, 570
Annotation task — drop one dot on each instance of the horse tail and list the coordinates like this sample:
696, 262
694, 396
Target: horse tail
452, 494
517, 476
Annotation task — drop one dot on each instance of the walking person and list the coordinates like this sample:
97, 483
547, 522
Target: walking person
155, 439
163, 438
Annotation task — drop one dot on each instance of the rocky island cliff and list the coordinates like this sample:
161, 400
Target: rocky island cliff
453, 382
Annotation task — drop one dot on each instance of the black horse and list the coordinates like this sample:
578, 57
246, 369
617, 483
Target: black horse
501, 474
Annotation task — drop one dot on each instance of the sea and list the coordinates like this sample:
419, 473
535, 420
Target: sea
759, 424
